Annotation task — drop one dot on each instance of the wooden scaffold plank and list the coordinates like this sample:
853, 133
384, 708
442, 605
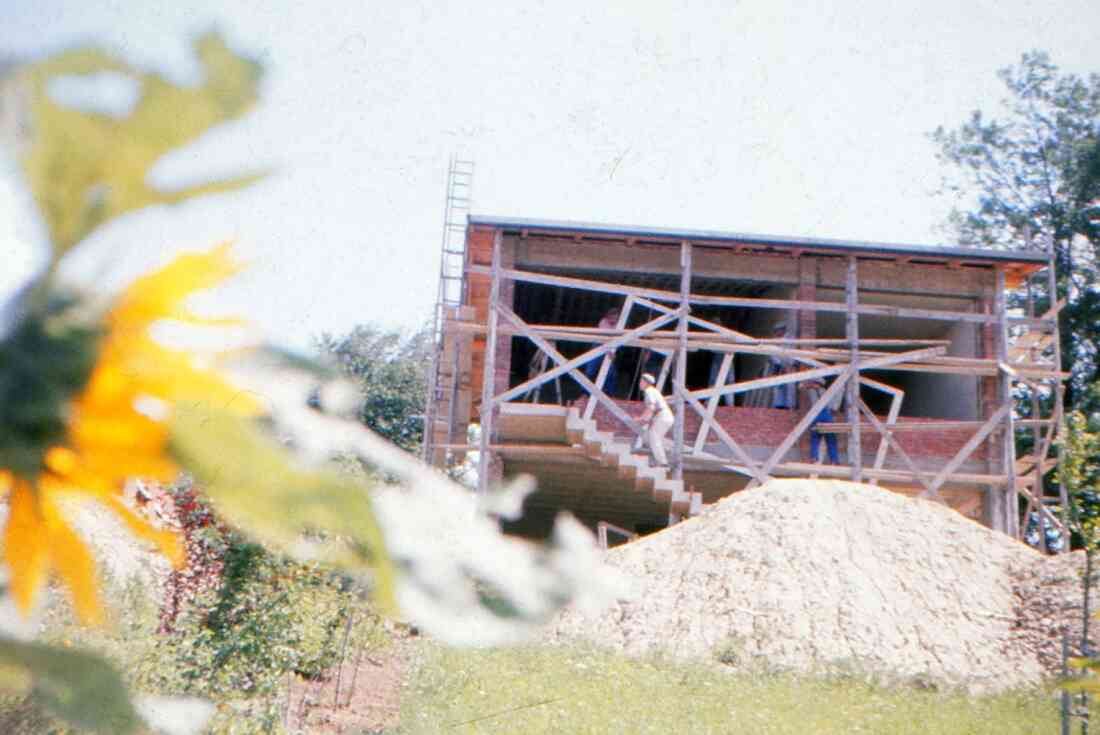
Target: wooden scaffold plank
488, 371
851, 295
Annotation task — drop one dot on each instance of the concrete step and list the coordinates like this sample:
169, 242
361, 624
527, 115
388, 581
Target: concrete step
686, 504
611, 451
665, 491
697, 505
631, 464
577, 430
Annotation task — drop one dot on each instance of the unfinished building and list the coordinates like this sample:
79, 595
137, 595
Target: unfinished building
916, 348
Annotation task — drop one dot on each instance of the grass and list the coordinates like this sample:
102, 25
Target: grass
538, 690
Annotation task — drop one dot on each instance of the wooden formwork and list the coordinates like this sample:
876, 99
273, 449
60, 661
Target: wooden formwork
1019, 351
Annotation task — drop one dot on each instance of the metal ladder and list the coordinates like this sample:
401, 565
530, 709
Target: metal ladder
443, 386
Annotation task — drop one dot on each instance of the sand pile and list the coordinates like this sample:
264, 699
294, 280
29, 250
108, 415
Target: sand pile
820, 575
1049, 601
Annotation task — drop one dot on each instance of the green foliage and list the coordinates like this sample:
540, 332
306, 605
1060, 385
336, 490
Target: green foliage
87, 168
260, 492
1080, 473
270, 617
552, 689
80, 687
1035, 178
238, 643
44, 362
392, 371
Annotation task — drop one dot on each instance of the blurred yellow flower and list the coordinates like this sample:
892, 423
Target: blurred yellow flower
116, 430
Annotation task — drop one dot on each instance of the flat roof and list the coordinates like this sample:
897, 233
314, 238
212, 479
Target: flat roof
519, 224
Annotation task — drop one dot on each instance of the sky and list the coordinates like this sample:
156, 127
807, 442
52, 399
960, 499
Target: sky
770, 116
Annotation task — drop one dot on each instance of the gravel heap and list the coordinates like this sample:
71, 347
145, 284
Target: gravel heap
1049, 601
819, 575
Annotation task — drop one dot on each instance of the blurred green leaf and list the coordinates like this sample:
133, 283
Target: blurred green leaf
254, 486
86, 168
79, 687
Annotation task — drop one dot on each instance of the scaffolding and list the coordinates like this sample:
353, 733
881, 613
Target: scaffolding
1005, 352
443, 375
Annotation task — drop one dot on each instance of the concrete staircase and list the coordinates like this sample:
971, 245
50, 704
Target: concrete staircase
610, 451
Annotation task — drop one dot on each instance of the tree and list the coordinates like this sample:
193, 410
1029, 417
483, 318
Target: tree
1034, 179
391, 368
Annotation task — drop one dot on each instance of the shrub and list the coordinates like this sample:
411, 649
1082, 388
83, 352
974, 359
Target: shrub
239, 621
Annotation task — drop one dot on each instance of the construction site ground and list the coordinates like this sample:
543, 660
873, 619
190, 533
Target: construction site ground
797, 576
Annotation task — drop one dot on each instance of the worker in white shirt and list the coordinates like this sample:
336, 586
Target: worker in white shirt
657, 419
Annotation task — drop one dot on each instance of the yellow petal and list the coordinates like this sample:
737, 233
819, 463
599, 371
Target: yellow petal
66, 471
114, 467
153, 296
75, 566
167, 541
26, 548
131, 431
108, 386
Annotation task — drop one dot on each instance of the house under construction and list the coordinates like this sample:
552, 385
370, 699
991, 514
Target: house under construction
918, 350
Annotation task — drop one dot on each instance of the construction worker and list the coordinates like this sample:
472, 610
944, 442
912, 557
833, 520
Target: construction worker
610, 320
657, 419
783, 396
814, 390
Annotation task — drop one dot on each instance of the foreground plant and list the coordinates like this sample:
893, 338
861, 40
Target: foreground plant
89, 399
97, 417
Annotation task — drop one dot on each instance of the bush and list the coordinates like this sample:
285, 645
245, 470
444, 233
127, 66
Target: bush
263, 617
239, 622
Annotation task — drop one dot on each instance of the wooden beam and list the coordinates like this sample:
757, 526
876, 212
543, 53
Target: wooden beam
888, 438
896, 397
1008, 450
570, 366
804, 423
840, 471
851, 295
712, 402
910, 427
1054, 311
681, 361
716, 333
738, 452
741, 301
543, 250
886, 361
608, 358
1055, 322
967, 449
489, 370
548, 449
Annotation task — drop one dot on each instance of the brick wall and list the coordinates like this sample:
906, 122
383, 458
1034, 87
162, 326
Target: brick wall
479, 251
768, 427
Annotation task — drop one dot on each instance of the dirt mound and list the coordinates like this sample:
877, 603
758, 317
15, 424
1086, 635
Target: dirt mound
819, 575
1049, 602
